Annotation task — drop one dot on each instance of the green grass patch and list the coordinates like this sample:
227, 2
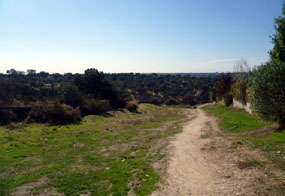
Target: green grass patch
100, 155
247, 131
234, 120
267, 141
238, 121
273, 144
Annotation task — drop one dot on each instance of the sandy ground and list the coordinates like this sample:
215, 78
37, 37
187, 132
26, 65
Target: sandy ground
201, 167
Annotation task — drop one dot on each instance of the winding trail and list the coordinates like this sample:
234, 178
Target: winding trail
192, 170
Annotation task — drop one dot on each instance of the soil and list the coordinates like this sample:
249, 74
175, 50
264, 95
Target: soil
202, 162
26, 189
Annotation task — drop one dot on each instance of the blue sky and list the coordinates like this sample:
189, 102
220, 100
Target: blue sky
135, 35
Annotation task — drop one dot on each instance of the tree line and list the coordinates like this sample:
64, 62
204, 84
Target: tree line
169, 89
55, 98
63, 98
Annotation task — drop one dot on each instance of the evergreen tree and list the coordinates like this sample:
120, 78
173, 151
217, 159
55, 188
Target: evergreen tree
277, 54
268, 80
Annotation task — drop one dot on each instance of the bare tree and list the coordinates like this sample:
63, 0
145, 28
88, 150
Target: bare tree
241, 69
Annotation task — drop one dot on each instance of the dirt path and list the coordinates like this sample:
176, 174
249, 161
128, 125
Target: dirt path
199, 166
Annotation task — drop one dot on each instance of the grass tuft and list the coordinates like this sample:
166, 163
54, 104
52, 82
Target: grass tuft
248, 164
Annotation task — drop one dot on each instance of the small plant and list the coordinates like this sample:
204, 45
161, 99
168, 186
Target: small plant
205, 136
93, 106
132, 106
249, 164
228, 99
6, 116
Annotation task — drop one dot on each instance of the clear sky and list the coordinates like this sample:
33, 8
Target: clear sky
135, 35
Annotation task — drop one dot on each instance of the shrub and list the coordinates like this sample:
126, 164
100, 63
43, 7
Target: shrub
132, 106
93, 106
6, 116
212, 95
268, 81
228, 99
156, 101
54, 113
172, 101
224, 86
268, 92
239, 91
189, 99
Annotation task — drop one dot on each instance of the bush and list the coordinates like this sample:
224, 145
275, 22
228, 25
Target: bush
6, 116
228, 99
172, 101
54, 113
157, 101
212, 95
224, 86
268, 92
93, 106
239, 90
132, 106
189, 99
